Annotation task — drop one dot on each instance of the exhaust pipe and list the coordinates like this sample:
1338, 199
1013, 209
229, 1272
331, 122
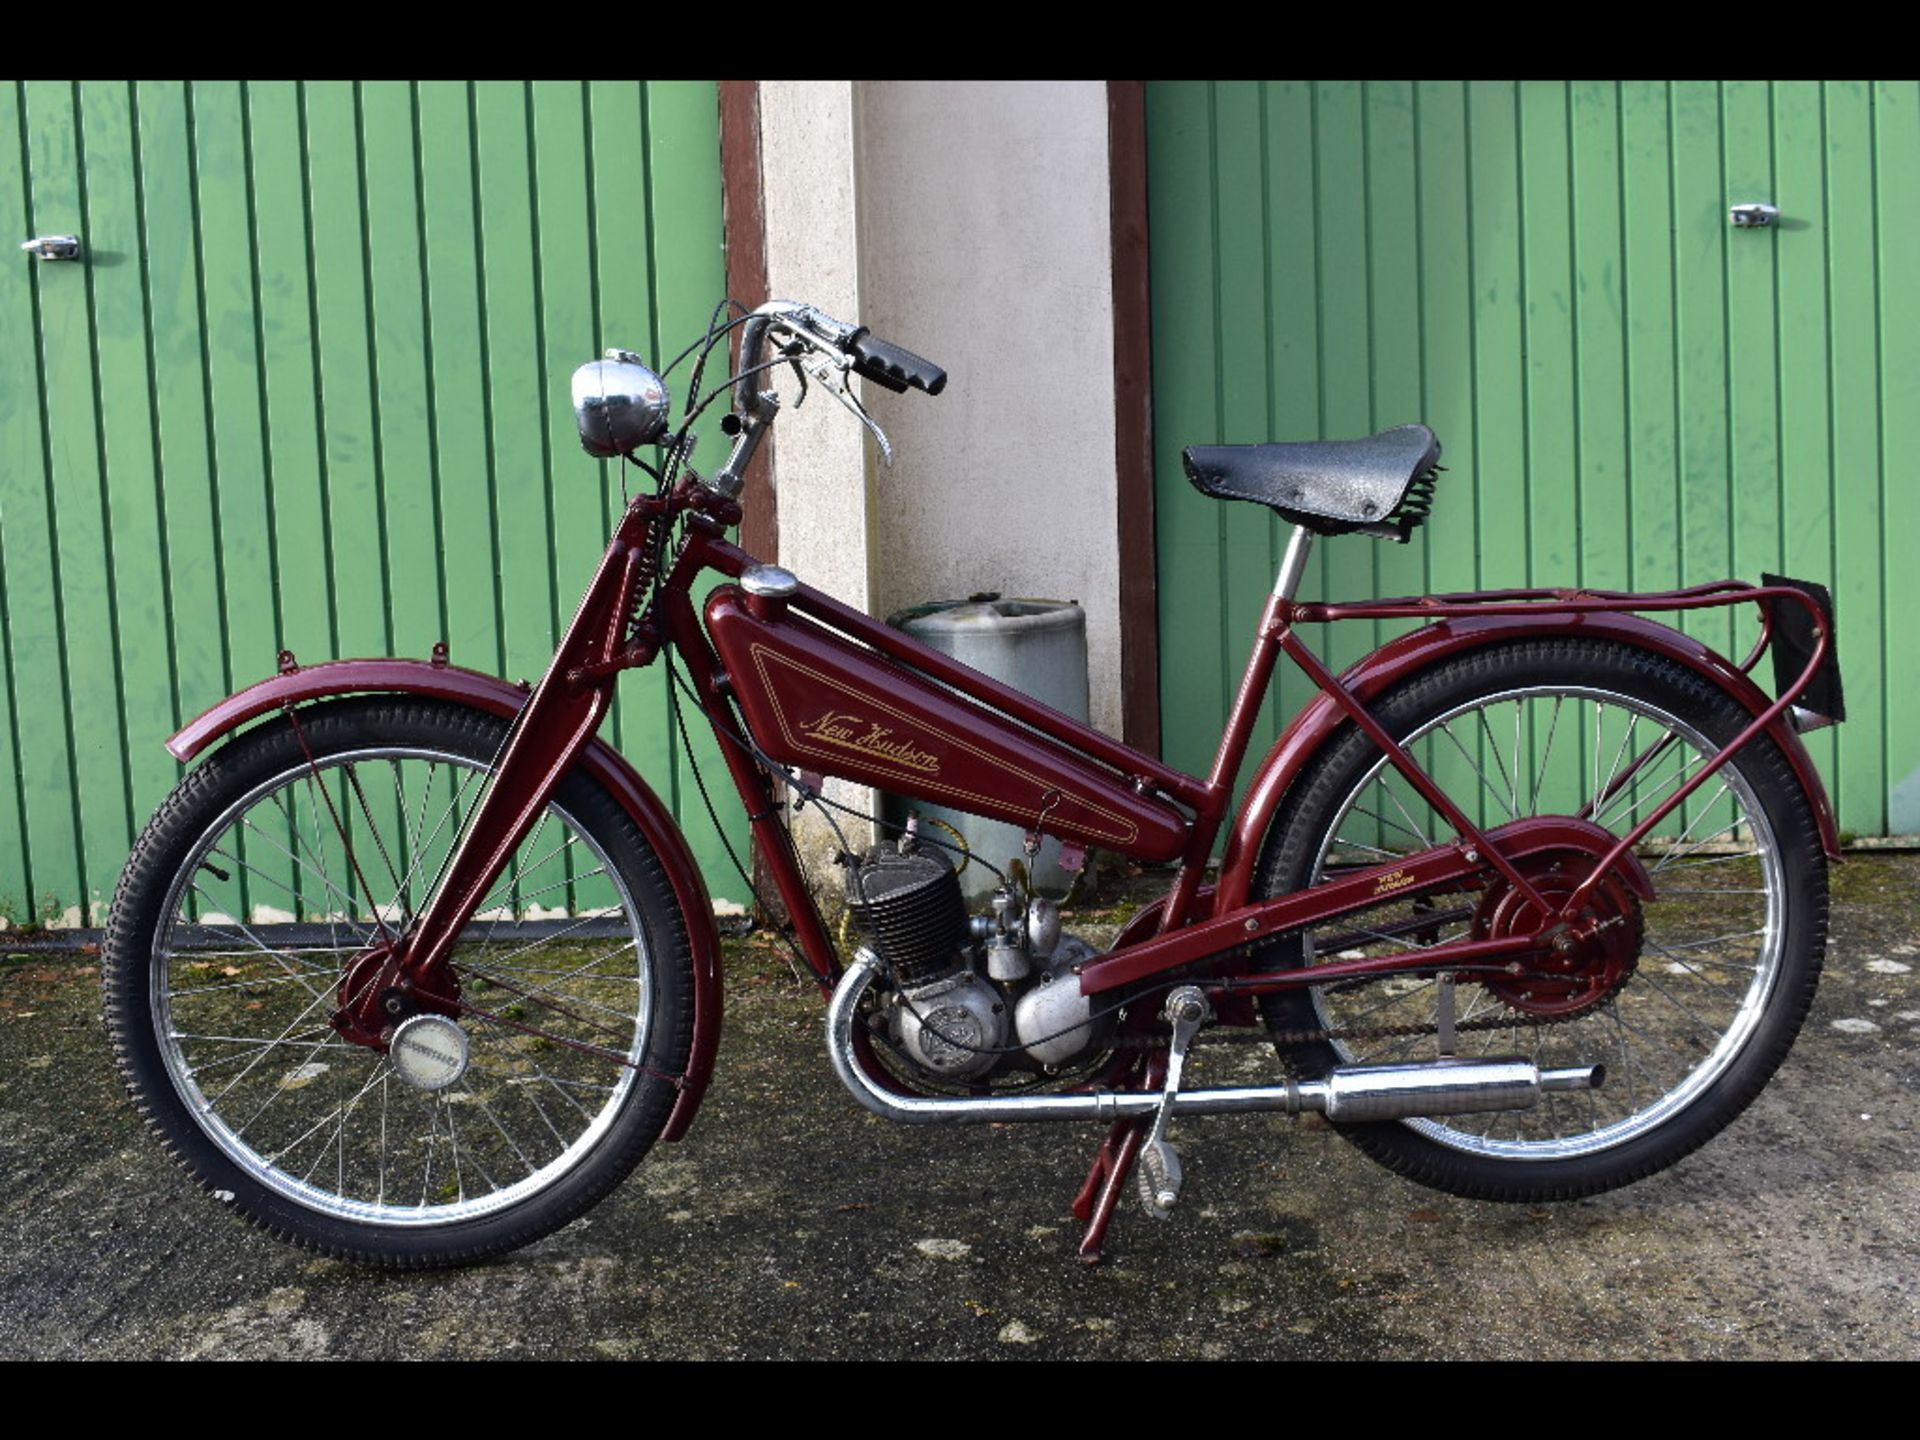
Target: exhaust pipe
1351, 1094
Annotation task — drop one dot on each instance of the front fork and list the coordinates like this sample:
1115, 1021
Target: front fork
399, 974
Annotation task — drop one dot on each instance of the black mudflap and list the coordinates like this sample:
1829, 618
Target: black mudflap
1793, 643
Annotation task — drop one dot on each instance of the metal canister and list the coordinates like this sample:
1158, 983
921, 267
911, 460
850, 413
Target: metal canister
1036, 646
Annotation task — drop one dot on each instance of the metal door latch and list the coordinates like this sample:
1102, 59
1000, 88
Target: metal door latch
53, 247
1753, 215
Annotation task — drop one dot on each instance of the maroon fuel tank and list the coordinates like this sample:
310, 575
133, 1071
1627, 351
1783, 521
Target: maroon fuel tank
818, 702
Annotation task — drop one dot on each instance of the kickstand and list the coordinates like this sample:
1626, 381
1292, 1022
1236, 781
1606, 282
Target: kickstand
1112, 1164
1100, 1195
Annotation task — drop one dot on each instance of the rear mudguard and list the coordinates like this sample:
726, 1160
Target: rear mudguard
499, 697
1400, 659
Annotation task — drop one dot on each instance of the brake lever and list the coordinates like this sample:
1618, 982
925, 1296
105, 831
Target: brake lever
800, 374
835, 368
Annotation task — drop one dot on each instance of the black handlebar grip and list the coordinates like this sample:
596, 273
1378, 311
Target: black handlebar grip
895, 368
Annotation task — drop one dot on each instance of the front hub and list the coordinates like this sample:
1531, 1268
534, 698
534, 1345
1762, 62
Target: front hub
377, 996
1588, 955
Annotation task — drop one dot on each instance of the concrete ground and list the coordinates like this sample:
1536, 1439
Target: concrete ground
791, 1224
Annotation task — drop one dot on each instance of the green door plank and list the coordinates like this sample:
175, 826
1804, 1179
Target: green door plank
458, 395
1897, 188
127, 437
240, 465
241, 475
289, 349
683, 127
1599, 317
1294, 385
1500, 379
1752, 412
1860, 790
1247, 549
1193, 669
83, 558
1346, 356
1446, 331
1448, 542
522, 518
1394, 349
181, 402
1655, 467
1799, 136
1700, 235
47, 878
1753, 365
350, 441
402, 386
1393, 281
566, 323
1551, 415
623, 287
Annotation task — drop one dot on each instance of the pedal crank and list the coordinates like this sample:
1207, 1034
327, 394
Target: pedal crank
1161, 1175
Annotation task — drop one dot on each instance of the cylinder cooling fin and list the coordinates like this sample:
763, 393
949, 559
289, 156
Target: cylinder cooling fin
910, 909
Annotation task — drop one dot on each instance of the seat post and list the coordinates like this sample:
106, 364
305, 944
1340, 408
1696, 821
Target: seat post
1293, 565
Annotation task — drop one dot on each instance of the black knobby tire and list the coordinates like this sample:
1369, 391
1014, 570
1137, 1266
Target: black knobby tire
185, 960
1703, 1019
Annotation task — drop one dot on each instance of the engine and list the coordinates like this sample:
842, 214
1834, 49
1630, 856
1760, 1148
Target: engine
970, 996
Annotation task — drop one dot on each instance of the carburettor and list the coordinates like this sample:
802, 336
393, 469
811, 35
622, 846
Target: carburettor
963, 988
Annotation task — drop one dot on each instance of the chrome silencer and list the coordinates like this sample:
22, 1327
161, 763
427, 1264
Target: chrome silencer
1351, 1094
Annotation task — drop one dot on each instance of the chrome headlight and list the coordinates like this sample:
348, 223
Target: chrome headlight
619, 405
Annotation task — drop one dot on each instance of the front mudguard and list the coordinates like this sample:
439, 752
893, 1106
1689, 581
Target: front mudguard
1400, 659
500, 698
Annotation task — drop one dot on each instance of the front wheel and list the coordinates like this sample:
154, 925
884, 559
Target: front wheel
1690, 1001
260, 879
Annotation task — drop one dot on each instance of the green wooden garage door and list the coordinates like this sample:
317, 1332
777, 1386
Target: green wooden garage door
309, 389
1630, 392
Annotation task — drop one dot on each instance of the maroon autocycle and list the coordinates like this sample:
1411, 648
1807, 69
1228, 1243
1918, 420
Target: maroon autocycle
1531, 901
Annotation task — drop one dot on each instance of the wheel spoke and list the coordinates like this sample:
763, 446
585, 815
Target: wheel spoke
1705, 810
1415, 828
319, 875
1512, 800
1390, 824
1708, 979
1540, 779
353, 781
1465, 755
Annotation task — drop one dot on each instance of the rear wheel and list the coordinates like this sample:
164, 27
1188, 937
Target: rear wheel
260, 879
1689, 1000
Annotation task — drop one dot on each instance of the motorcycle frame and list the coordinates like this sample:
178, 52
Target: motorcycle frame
624, 621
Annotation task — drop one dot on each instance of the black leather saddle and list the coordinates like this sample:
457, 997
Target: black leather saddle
1380, 486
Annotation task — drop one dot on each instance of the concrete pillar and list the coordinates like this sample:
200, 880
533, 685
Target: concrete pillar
820, 451
969, 222
820, 463
986, 244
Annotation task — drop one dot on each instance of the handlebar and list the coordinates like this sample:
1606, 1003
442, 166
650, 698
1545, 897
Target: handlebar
841, 347
881, 361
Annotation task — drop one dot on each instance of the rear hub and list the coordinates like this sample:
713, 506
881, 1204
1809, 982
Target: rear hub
1589, 955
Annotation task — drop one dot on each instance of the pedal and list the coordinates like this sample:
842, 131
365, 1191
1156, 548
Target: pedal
1160, 1171
1160, 1178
